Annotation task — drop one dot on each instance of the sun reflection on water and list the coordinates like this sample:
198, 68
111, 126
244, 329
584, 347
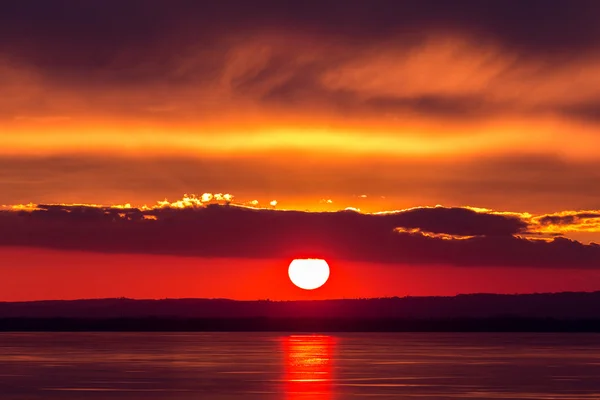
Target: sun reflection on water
308, 367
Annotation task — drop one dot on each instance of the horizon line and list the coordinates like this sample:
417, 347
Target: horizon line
304, 300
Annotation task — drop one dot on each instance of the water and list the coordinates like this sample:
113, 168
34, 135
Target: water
131, 366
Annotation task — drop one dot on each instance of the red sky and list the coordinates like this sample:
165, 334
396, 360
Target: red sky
44, 274
489, 108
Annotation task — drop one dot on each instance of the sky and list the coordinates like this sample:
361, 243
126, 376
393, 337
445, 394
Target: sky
155, 149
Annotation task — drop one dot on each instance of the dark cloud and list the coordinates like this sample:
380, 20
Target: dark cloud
71, 36
567, 219
456, 221
98, 26
231, 231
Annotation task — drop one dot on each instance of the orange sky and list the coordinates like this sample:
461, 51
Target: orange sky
43, 274
446, 112
446, 122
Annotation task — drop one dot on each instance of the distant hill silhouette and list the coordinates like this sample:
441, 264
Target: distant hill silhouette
567, 305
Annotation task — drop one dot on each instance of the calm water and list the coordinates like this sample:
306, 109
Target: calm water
100, 366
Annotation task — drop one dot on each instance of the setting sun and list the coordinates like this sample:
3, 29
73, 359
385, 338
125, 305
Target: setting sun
308, 274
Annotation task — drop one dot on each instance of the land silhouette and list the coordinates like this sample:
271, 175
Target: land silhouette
568, 311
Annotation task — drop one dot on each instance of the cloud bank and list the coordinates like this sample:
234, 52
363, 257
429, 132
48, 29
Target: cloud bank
205, 227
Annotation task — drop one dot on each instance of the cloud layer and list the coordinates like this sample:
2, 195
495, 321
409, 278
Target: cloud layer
199, 226
193, 60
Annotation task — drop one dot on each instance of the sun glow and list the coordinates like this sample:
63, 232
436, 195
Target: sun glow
309, 273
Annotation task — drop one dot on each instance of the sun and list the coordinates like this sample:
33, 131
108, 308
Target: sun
308, 273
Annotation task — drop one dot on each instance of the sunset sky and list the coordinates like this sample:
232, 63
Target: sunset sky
421, 147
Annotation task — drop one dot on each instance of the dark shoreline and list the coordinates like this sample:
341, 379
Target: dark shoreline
303, 325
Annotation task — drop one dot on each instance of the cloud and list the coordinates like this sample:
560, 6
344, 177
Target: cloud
441, 60
99, 29
567, 221
419, 236
456, 221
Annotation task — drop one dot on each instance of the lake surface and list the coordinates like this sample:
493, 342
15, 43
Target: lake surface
131, 366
